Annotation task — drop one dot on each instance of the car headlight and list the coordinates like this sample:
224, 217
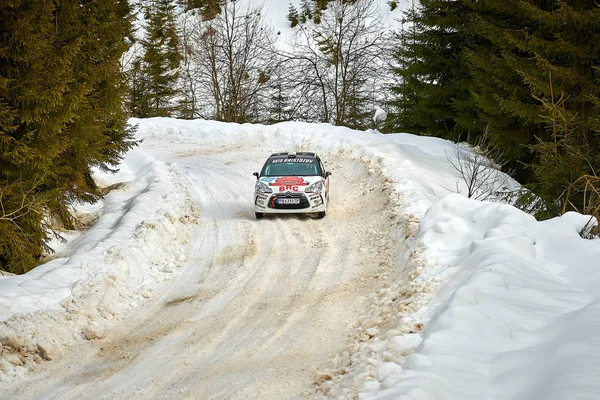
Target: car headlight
316, 187
262, 188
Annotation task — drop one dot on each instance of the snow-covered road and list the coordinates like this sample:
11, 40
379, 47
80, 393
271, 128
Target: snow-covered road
404, 290
260, 306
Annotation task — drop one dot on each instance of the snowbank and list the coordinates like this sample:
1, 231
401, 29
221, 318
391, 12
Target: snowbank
135, 244
517, 314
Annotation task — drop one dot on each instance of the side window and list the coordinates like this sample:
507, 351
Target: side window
266, 171
321, 166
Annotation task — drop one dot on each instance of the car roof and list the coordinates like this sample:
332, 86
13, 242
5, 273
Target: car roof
292, 154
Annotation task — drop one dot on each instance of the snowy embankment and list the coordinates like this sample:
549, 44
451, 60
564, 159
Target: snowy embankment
101, 275
481, 302
517, 314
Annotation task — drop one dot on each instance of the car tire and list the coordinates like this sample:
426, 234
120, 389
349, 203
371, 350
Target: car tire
259, 215
321, 214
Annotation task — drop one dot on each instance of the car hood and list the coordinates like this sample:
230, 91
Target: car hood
289, 183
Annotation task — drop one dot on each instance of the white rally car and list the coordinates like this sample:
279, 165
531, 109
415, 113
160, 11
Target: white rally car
292, 183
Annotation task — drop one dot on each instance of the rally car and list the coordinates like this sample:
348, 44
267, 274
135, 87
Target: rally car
294, 182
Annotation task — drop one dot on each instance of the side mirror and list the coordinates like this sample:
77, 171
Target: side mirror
327, 174
256, 175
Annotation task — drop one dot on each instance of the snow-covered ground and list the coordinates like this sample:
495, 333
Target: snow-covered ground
405, 290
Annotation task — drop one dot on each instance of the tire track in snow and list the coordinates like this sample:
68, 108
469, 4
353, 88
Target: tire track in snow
260, 305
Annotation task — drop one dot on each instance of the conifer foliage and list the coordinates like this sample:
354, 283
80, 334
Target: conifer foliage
524, 71
208, 9
61, 92
540, 86
293, 17
155, 73
432, 81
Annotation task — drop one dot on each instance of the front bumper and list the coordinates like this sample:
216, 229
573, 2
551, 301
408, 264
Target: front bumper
285, 203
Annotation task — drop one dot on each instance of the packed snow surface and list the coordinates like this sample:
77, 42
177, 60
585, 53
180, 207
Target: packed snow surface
405, 289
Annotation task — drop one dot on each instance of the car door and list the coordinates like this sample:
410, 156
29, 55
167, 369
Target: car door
325, 174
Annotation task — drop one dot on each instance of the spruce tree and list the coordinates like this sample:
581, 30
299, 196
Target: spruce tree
432, 94
358, 116
561, 71
523, 71
320, 5
292, 15
161, 60
139, 90
208, 9
280, 94
535, 88
502, 99
306, 11
98, 135
60, 108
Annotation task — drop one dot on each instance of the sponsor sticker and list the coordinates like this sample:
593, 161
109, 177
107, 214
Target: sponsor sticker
289, 180
289, 183
293, 160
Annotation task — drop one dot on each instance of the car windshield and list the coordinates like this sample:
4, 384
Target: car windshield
291, 167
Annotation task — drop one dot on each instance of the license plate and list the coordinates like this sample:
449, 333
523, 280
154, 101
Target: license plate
288, 201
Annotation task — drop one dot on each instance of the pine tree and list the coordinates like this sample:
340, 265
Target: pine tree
502, 99
279, 100
523, 71
358, 116
208, 9
292, 15
536, 85
433, 83
161, 59
60, 103
306, 11
99, 134
139, 90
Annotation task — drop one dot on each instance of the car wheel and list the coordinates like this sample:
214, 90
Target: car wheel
321, 214
259, 215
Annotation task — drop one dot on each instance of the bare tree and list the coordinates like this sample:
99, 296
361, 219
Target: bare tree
479, 170
188, 23
337, 59
233, 54
310, 69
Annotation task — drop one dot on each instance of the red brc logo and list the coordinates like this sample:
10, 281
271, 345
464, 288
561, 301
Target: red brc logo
287, 188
